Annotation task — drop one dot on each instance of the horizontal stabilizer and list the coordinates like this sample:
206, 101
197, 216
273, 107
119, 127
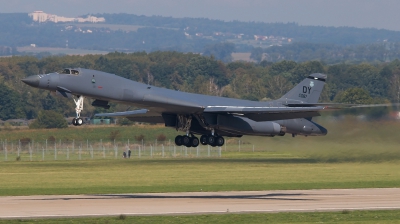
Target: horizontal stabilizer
326, 105
377, 105
238, 109
338, 106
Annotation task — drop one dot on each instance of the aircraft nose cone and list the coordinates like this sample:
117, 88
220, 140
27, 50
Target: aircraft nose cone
32, 80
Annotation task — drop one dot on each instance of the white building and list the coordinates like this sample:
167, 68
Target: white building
40, 16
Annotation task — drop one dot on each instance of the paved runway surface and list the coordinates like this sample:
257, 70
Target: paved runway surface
199, 202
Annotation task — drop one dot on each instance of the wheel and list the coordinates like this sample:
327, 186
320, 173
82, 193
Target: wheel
178, 140
74, 122
220, 141
203, 139
79, 121
186, 141
211, 140
195, 141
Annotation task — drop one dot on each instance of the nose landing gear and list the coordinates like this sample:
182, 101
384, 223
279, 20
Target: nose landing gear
78, 121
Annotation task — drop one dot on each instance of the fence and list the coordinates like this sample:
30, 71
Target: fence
84, 150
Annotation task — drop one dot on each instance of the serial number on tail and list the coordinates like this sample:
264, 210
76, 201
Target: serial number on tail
302, 95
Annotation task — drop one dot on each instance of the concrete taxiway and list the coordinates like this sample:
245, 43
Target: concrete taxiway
199, 202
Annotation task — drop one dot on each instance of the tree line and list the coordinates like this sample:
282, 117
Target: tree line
329, 53
348, 83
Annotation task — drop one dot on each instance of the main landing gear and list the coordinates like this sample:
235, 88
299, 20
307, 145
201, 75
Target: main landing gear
193, 141
189, 140
78, 121
212, 140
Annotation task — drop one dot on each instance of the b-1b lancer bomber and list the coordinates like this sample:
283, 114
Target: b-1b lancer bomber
211, 117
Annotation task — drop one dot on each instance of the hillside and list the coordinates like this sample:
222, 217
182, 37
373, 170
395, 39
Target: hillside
133, 33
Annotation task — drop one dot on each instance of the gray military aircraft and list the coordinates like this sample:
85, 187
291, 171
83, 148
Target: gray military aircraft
209, 116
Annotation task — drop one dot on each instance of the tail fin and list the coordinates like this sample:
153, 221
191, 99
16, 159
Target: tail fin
308, 90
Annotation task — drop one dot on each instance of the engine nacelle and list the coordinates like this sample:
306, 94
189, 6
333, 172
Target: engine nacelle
247, 126
303, 126
268, 128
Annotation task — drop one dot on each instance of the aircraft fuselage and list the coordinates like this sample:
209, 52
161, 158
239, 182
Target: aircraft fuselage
168, 106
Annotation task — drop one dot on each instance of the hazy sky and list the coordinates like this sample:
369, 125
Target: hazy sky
382, 14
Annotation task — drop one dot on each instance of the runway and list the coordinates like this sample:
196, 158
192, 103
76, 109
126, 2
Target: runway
199, 203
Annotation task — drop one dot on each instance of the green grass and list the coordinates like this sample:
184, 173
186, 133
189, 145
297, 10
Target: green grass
354, 155
188, 175
89, 132
315, 217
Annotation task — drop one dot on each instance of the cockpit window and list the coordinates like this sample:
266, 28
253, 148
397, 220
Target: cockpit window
66, 71
74, 72
69, 71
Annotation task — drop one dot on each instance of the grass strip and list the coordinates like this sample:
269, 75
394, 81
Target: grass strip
189, 175
345, 216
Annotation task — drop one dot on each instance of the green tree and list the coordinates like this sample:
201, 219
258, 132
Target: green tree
221, 51
257, 54
282, 67
49, 119
207, 67
125, 122
305, 69
361, 96
248, 85
277, 86
10, 104
354, 96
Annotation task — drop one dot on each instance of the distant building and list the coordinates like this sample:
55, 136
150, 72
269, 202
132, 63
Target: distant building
259, 37
40, 16
100, 121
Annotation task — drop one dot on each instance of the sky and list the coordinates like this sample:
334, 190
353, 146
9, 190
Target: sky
381, 14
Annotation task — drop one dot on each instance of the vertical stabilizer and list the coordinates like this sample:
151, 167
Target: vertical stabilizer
308, 90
